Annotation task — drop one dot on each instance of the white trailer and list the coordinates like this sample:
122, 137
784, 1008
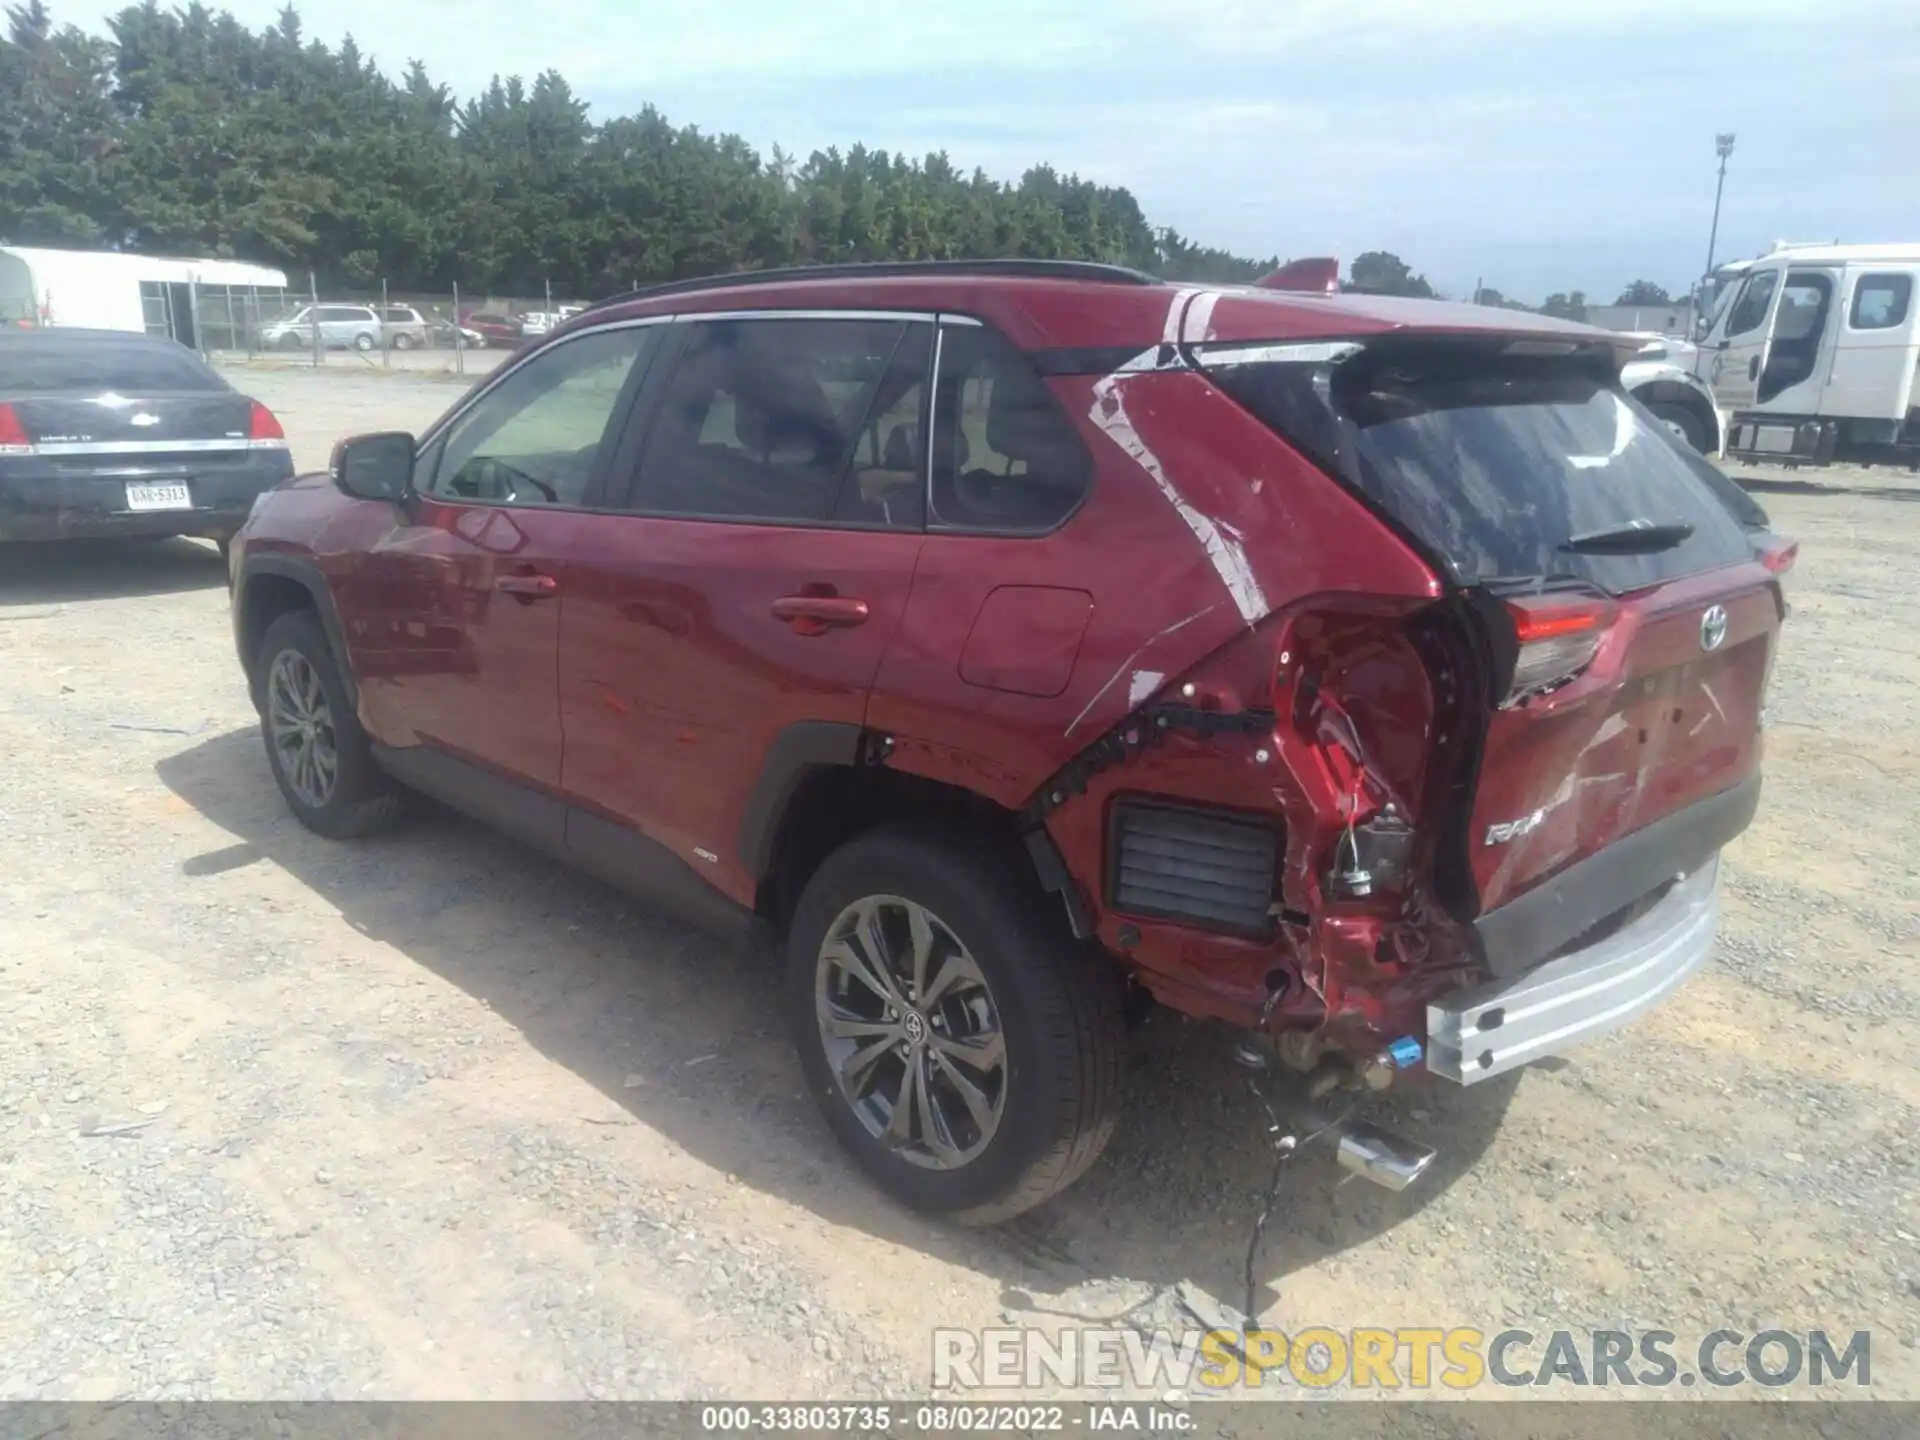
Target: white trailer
1813, 353
205, 304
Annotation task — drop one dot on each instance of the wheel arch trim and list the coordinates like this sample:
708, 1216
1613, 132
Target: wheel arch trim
308, 577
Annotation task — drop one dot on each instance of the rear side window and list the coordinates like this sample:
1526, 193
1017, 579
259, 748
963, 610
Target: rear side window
807, 421
123, 367
1880, 302
1503, 466
1006, 458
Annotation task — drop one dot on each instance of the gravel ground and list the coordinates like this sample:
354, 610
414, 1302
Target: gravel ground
431, 1117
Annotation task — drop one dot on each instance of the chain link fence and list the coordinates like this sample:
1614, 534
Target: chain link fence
373, 326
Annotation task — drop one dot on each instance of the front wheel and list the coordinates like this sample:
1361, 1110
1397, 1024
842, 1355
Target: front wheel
319, 754
962, 1045
1685, 424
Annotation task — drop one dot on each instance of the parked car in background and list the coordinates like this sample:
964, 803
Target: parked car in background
340, 326
493, 328
1024, 640
540, 322
405, 328
107, 433
441, 332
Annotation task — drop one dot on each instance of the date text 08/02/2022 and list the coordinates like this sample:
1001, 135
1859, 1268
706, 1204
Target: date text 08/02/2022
943, 1419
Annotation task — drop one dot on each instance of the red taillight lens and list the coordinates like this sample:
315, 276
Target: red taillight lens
1778, 553
13, 435
264, 426
1559, 636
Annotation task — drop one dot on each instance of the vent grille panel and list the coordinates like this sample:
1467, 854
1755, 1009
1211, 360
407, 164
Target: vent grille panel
1208, 868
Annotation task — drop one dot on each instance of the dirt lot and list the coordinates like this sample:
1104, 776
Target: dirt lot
430, 1116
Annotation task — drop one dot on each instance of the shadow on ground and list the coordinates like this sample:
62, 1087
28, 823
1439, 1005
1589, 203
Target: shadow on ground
69, 571
1793, 485
687, 1034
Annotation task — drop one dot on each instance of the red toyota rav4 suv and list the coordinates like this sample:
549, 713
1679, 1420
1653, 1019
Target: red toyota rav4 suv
1370, 673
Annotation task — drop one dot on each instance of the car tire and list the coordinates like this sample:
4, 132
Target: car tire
1006, 965
1685, 423
363, 341
290, 341
299, 682
403, 342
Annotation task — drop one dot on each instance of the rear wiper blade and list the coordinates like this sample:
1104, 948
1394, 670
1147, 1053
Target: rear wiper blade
1636, 537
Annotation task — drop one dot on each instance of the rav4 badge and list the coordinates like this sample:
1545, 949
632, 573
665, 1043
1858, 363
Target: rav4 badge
1513, 829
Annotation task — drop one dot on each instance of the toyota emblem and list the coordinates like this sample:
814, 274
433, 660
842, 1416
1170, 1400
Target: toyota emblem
1713, 627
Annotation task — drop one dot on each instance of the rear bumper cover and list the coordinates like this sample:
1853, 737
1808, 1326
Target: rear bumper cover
1558, 912
40, 501
1473, 1035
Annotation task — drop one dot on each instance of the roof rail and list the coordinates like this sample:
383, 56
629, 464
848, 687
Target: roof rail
1086, 270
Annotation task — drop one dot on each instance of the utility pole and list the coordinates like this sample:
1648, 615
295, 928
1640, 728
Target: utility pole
1723, 147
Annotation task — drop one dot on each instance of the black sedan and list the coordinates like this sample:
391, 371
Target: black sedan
106, 433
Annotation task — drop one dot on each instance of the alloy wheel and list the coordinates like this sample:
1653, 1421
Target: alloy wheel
911, 1032
301, 725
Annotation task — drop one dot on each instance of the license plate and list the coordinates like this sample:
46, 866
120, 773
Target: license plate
159, 497
1773, 440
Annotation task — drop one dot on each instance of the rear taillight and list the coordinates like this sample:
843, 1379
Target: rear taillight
1558, 637
13, 435
1777, 553
264, 430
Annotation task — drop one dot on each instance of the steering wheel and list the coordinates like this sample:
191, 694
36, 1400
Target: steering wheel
505, 482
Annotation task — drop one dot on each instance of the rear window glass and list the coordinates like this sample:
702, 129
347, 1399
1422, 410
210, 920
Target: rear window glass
128, 368
1494, 462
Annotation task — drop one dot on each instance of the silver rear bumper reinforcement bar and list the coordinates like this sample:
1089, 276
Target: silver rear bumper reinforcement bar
1473, 1035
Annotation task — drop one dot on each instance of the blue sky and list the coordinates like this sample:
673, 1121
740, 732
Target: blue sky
1538, 144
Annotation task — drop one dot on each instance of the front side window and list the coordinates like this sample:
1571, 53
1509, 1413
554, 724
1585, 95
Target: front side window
1880, 302
535, 437
1756, 298
807, 421
1006, 458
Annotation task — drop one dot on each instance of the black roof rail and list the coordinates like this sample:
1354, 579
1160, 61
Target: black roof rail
1087, 270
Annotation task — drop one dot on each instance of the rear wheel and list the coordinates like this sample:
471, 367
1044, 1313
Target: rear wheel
960, 1043
320, 756
1684, 423
403, 342
363, 341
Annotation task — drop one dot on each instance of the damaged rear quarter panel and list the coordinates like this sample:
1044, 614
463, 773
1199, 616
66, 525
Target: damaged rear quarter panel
1201, 522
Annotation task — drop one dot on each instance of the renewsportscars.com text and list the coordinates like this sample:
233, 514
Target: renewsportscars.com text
1457, 1359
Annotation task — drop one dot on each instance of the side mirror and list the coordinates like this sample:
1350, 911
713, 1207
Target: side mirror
375, 467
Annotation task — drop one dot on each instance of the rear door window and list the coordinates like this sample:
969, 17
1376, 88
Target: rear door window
1880, 302
1006, 458
1504, 466
797, 420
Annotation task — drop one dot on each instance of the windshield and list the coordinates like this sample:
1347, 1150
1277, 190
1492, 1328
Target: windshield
126, 367
1500, 464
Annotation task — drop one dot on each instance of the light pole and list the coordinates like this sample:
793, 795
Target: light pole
1723, 147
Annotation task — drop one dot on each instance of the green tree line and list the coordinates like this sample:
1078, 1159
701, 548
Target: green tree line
181, 131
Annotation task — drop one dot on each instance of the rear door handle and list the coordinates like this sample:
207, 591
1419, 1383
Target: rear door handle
816, 614
528, 587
